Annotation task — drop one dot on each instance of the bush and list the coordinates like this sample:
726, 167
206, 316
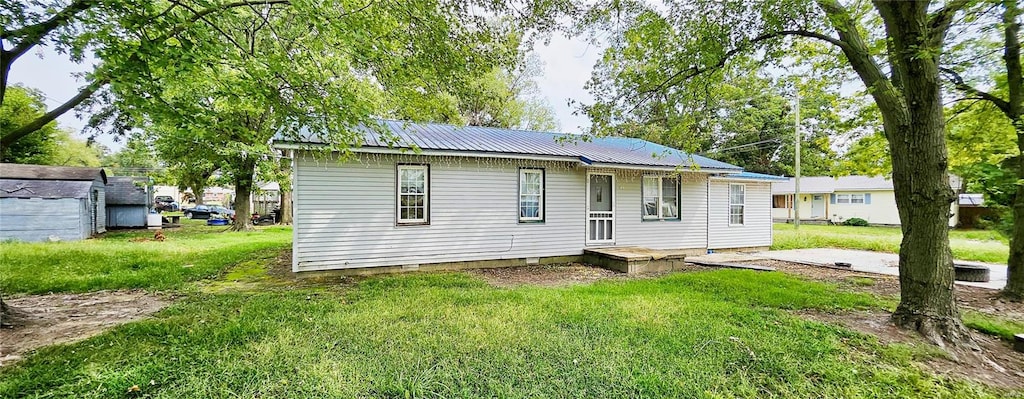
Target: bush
855, 222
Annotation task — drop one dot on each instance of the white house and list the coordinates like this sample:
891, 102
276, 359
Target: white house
475, 194
836, 199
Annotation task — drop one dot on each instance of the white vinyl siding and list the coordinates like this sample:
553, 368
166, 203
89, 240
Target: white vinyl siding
756, 230
531, 195
737, 204
660, 197
345, 213
690, 231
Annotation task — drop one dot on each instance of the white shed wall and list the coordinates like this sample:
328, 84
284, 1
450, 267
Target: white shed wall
756, 230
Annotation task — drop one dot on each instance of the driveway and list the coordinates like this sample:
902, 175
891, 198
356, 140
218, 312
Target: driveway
874, 262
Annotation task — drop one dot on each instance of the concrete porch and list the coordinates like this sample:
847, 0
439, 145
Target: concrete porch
638, 259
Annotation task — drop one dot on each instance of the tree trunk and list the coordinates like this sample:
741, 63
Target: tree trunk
1015, 264
1014, 109
915, 129
9, 316
286, 207
243, 192
286, 190
199, 192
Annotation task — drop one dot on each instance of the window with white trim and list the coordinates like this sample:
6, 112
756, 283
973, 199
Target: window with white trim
850, 199
413, 200
660, 197
531, 195
737, 203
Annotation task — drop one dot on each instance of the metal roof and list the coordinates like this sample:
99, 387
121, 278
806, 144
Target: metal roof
23, 188
599, 151
44, 172
828, 184
123, 190
756, 176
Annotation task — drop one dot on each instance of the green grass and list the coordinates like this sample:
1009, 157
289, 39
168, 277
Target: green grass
115, 261
703, 334
993, 325
976, 245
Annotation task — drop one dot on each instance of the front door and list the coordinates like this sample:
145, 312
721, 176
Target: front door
600, 209
818, 206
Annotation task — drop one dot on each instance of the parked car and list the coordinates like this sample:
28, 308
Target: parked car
165, 203
204, 212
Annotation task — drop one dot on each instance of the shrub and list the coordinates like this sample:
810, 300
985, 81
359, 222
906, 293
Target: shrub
855, 222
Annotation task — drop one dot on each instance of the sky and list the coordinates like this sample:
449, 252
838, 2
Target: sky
567, 66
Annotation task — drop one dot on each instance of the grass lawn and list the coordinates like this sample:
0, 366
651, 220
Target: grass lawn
976, 245
708, 334
121, 260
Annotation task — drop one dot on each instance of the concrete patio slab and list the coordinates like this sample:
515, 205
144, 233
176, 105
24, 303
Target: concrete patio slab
874, 262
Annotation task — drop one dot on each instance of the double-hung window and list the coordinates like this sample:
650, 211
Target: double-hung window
413, 190
737, 203
850, 198
660, 197
531, 195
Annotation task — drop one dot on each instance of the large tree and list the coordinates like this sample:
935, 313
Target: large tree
317, 68
686, 45
1000, 84
121, 34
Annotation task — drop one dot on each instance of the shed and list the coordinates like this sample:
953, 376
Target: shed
128, 201
38, 202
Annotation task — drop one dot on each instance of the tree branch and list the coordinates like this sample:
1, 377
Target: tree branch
959, 83
940, 21
14, 135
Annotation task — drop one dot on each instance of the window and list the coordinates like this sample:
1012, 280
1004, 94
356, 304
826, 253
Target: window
851, 199
531, 195
781, 202
737, 201
412, 194
660, 197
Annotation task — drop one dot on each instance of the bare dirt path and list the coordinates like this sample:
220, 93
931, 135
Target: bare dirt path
63, 318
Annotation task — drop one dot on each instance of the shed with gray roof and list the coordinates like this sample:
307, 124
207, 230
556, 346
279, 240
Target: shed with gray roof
433, 195
128, 201
39, 203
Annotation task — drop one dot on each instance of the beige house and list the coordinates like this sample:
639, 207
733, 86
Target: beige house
836, 199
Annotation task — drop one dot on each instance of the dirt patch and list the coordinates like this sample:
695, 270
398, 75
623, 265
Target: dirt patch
561, 274
995, 363
63, 318
545, 275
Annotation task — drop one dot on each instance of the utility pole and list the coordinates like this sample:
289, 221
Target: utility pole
796, 156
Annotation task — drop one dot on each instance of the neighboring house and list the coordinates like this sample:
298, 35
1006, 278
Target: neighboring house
475, 194
128, 201
39, 203
836, 199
